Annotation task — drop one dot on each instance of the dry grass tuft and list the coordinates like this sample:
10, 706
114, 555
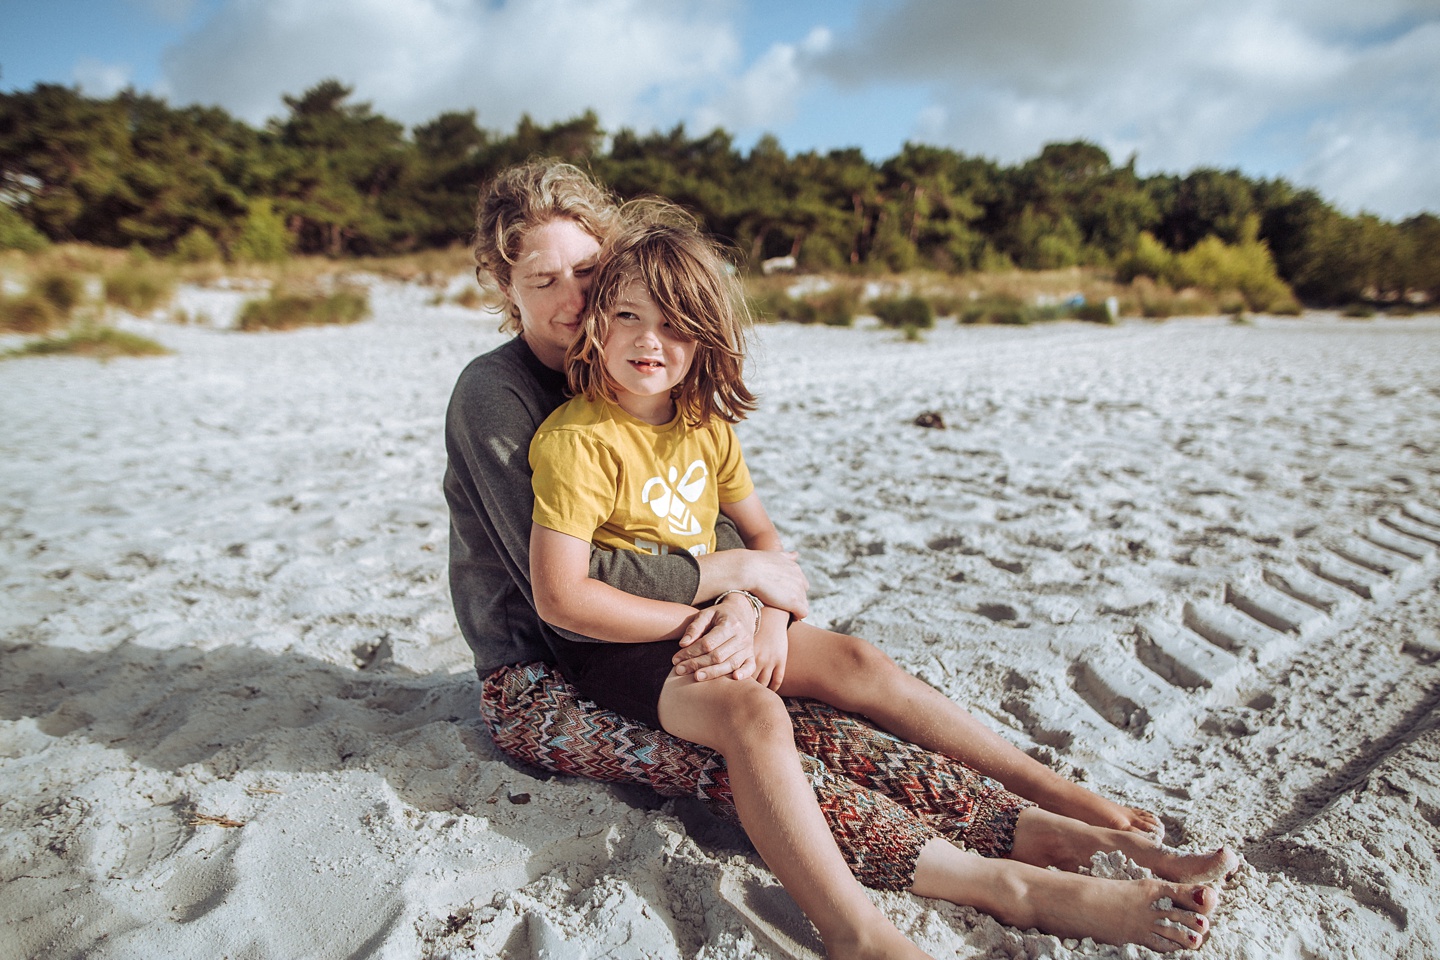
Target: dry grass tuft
289, 311
102, 343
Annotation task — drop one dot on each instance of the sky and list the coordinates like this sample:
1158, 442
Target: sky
1339, 95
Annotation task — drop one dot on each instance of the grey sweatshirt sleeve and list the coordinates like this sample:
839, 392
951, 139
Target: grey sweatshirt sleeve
640, 573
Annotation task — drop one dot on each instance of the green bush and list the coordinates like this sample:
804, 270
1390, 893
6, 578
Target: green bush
30, 313
139, 288
1245, 268
287, 311
197, 246
835, 307
779, 305
100, 342
1147, 258
263, 237
902, 313
16, 233
1000, 308
819, 252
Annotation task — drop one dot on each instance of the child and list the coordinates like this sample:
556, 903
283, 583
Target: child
645, 458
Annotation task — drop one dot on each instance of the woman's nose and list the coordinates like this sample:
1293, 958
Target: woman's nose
575, 288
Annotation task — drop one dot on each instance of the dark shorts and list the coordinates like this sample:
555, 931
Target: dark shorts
624, 677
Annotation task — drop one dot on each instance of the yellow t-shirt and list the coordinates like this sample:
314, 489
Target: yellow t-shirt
618, 482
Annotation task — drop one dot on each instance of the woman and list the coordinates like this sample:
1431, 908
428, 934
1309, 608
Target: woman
538, 235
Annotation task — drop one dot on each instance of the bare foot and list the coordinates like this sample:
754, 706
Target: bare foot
1080, 804
1048, 840
1155, 914
1172, 864
1136, 820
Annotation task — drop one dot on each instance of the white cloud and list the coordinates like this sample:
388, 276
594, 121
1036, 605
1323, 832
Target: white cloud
1275, 87
1374, 167
1184, 84
101, 80
768, 94
636, 62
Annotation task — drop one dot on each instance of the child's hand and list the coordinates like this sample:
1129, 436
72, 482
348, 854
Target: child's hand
719, 641
772, 648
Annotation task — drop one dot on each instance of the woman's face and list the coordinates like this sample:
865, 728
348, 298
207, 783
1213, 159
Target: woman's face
548, 285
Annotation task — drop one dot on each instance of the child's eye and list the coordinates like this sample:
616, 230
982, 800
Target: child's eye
627, 318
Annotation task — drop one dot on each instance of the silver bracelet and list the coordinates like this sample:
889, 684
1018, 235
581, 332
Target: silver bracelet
754, 602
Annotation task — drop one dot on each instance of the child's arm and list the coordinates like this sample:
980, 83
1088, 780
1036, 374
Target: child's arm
753, 523
567, 597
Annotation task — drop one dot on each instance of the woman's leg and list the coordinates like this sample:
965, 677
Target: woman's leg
749, 725
536, 717
1153, 913
961, 804
974, 811
856, 676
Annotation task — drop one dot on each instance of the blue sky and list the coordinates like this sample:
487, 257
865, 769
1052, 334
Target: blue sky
1340, 95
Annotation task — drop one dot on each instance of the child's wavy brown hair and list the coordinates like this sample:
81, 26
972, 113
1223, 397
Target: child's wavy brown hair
689, 279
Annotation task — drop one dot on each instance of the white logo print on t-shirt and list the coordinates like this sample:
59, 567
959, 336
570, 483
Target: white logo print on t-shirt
671, 500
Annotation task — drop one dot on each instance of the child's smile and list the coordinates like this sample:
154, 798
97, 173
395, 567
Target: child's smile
644, 355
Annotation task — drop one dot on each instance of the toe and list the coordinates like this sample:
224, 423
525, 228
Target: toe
1205, 899
1179, 936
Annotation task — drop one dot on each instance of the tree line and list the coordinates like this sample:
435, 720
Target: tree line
333, 177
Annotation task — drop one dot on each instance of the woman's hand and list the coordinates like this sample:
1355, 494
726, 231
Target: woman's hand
719, 641
772, 575
772, 648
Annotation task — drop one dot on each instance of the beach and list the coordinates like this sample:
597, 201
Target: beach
1192, 564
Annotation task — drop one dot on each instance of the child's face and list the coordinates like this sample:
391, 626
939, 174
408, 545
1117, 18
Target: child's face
643, 354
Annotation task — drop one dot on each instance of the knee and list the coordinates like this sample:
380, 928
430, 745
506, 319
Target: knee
859, 662
755, 716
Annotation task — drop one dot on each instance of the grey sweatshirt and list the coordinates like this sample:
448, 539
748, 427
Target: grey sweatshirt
499, 401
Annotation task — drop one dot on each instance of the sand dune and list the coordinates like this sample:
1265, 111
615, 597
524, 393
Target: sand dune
1194, 564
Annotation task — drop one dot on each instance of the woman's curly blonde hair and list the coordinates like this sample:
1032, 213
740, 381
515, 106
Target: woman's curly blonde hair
521, 198
689, 279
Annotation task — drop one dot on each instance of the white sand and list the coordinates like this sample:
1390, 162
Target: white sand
236, 718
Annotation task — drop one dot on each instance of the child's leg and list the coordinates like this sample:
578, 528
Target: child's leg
748, 724
1068, 904
856, 676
